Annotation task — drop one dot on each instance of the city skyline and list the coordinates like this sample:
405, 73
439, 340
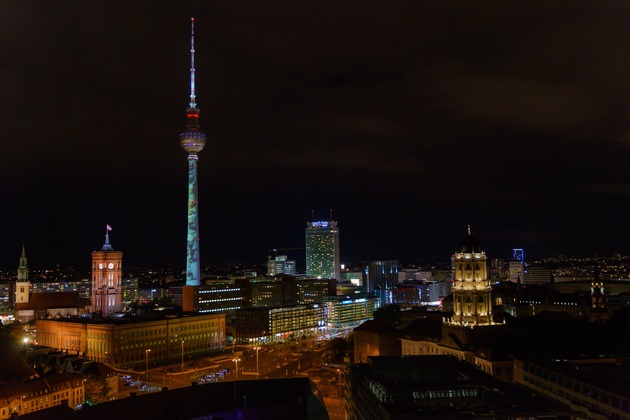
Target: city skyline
410, 123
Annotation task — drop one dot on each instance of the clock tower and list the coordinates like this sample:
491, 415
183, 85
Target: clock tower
106, 279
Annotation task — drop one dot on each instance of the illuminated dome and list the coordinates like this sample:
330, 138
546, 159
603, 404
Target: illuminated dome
470, 244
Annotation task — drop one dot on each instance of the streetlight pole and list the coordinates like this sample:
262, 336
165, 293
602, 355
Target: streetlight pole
236, 360
147, 351
182, 356
339, 385
257, 370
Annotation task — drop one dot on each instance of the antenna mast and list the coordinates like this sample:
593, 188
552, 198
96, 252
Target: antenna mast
193, 103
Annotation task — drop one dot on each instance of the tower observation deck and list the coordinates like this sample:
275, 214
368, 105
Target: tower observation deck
193, 141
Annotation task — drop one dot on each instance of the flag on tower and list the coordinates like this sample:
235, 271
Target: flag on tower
109, 228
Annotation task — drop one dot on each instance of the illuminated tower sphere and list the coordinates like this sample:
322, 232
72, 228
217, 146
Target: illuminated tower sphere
472, 304
106, 279
193, 141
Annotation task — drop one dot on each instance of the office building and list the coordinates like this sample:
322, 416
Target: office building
341, 312
322, 250
193, 141
314, 290
517, 266
537, 275
379, 275
437, 387
83, 287
354, 277
417, 274
280, 265
596, 388
214, 296
268, 292
276, 324
129, 290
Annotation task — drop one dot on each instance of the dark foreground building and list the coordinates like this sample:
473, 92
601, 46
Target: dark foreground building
292, 398
437, 387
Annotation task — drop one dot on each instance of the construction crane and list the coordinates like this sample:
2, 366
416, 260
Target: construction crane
275, 250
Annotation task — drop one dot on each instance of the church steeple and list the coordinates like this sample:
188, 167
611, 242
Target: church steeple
22, 274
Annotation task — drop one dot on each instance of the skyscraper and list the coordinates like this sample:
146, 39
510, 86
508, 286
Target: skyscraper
517, 266
106, 279
322, 250
193, 141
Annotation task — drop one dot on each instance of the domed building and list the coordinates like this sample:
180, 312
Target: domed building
472, 305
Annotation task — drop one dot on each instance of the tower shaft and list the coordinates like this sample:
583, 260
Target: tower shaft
193, 272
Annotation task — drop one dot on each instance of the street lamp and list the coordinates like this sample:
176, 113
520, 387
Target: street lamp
339, 373
236, 360
147, 351
182, 356
257, 370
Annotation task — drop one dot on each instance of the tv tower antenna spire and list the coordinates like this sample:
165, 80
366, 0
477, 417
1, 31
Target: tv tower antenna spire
193, 141
193, 103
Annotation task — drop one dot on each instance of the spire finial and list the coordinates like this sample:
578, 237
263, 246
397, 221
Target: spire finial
106, 245
23, 251
469, 229
193, 103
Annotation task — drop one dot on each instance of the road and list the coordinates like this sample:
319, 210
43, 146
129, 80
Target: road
274, 361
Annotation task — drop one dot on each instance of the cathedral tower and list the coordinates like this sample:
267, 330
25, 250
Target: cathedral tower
106, 279
472, 305
193, 141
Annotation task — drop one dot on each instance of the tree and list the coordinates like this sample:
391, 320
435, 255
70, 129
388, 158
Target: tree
96, 390
337, 347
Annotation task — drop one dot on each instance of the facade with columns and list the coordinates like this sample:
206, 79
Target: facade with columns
472, 304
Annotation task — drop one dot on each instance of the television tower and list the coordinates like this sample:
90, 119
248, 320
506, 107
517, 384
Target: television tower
193, 141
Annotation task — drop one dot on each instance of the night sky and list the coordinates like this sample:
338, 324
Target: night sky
410, 120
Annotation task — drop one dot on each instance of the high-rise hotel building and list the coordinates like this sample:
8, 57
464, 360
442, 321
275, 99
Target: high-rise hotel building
322, 250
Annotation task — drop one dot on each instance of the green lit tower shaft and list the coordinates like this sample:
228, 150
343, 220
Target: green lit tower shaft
193, 141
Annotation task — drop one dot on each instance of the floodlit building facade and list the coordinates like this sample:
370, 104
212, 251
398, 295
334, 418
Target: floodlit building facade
106, 279
472, 305
122, 341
